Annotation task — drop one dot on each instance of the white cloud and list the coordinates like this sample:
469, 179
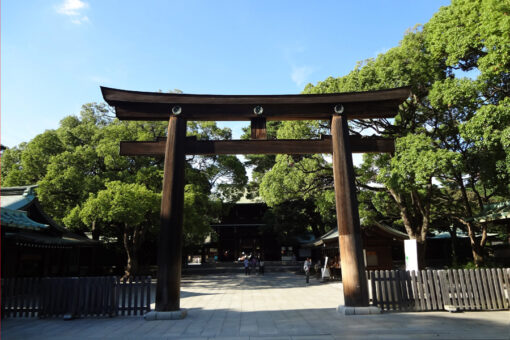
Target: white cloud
292, 54
74, 10
300, 74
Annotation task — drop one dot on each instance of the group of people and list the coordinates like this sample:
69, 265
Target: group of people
252, 264
331, 269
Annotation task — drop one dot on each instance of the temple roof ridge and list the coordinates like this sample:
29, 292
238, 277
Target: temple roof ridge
17, 197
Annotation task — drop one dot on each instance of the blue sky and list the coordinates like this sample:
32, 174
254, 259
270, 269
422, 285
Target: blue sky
56, 54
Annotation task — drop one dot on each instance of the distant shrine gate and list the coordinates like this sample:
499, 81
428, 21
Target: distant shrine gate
179, 108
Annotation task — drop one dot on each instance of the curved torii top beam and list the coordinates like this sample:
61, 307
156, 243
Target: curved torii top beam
134, 105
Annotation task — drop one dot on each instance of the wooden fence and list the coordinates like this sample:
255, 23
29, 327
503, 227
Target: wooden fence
429, 290
133, 296
73, 297
20, 297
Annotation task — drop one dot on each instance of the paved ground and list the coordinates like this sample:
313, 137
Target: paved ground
275, 306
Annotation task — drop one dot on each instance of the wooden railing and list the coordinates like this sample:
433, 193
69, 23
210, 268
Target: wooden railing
428, 290
133, 295
72, 297
20, 297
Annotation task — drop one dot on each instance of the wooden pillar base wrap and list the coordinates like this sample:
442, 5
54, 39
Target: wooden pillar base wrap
349, 230
168, 288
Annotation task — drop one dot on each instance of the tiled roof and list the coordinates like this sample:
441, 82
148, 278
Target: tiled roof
333, 235
16, 201
40, 239
494, 212
17, 197
19, 219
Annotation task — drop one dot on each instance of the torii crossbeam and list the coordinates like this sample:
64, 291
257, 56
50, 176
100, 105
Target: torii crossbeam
179, 108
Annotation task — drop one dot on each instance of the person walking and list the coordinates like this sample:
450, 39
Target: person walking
261, 266
306, 266
246, 266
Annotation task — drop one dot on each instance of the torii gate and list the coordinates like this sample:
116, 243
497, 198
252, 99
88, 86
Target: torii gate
179, 108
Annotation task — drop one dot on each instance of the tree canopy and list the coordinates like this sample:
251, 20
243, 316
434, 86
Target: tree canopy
85, 184
452, 135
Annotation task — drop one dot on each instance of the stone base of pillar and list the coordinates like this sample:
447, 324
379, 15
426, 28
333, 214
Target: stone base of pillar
345, 310
172, 315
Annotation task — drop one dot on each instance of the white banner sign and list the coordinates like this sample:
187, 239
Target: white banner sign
411, 253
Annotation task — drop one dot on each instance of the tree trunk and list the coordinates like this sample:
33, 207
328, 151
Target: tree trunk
478, 257
453, 237
414, 230
131, 247
95, 232
477, 248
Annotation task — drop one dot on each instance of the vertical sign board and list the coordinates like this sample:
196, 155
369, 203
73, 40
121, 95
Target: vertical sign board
411, 253
325, 270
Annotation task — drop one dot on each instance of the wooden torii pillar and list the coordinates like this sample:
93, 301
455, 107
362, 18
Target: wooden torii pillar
179, 108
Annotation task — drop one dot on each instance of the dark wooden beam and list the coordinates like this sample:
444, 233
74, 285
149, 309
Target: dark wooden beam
233, 147
258, 128
133, 105
154, 111
349, 230
168, 289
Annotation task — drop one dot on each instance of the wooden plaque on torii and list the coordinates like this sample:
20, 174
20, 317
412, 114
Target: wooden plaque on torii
179, 108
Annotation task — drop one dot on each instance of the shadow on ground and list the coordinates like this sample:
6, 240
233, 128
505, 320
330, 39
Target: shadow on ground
323, 323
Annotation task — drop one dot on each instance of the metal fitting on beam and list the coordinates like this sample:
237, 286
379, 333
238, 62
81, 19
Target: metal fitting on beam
339, 109
258, 110
176, 110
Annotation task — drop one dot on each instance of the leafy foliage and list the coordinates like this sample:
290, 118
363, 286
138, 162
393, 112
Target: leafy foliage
452, 135
85, 183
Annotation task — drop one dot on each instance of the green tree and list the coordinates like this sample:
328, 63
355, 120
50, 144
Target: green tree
126, 208
402, 65
299, 188
450, 135
82, 157
11, 166
473, 36
27, 163
259, 164
199, 211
